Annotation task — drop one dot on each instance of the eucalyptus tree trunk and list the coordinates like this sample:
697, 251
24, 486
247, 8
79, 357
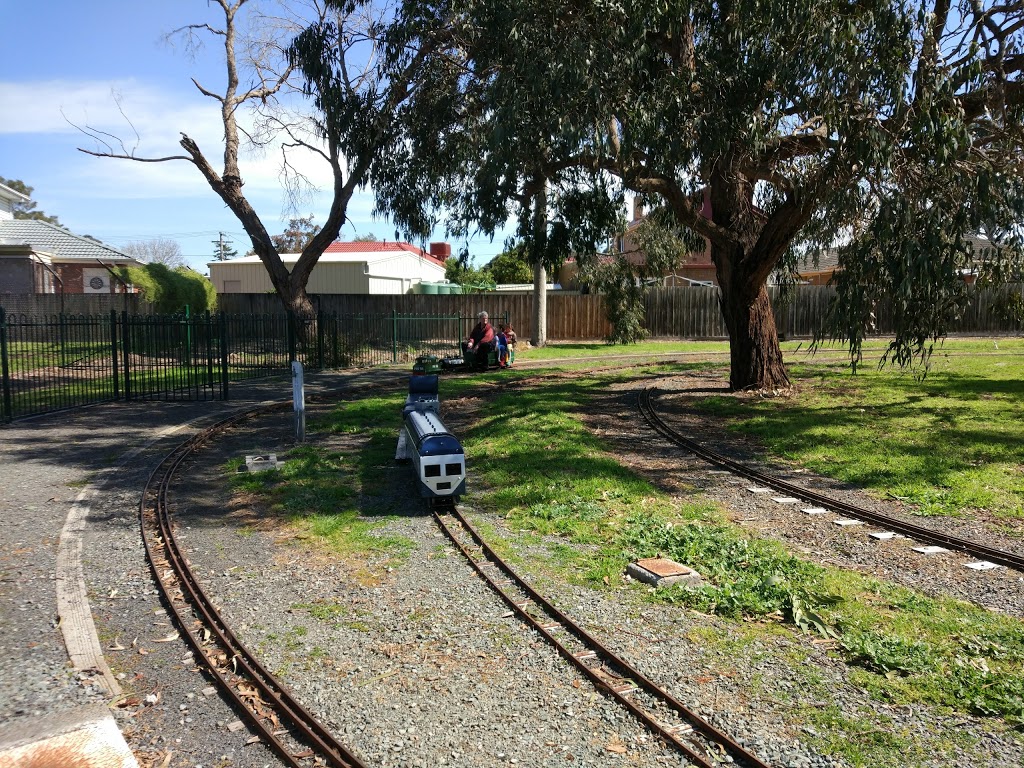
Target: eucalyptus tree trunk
540, 305
539, 338
755, 356
743, 264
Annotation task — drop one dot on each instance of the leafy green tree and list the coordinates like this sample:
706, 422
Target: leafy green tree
890, 128
511, 266
297, 235
457, 269
26, 210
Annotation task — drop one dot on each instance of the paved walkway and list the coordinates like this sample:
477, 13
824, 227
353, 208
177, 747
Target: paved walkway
69, 496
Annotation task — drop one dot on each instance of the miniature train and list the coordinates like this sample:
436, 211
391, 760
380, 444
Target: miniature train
437, 458
501, 356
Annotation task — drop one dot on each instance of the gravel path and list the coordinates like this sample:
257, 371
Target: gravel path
409, 658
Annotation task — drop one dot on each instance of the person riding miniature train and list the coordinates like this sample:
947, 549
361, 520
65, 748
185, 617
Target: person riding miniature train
480, 342
505, 339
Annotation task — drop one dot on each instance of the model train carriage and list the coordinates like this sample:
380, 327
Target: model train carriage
436, 455
422, 395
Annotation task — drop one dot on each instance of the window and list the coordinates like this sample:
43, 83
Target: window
432, 470
453, 469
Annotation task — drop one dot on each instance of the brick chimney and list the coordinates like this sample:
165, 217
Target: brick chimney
638, 209
441, 250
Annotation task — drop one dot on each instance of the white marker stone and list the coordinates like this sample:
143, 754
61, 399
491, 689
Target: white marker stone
931, 550
815, 511
882, 535
755, 489
845, 523
785, 500
981, 565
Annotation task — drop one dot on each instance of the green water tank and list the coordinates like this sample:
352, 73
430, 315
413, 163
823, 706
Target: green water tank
428, 288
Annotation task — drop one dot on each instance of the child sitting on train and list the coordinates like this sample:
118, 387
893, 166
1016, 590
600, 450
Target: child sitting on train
506, 341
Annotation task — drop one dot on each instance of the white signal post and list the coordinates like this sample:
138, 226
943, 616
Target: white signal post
299, 400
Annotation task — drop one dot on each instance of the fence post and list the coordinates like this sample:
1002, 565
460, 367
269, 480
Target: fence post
126, 335
291, 337
8, 413
319, 338
223, 355
394, 335
114, 367
208, 320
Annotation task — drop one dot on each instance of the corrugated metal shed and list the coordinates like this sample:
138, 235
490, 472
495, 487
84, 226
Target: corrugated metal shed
362, 268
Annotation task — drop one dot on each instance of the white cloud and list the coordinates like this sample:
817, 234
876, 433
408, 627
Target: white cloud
142, 120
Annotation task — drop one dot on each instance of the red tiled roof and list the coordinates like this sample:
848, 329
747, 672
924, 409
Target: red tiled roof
372, 246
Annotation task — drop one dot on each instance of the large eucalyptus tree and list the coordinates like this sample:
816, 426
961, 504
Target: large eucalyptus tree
887, 128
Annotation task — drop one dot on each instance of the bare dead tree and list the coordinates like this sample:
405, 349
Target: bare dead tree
262, 78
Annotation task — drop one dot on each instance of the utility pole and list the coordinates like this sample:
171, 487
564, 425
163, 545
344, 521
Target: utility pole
219, 242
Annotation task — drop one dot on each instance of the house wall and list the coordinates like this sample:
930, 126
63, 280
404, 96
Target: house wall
87, 278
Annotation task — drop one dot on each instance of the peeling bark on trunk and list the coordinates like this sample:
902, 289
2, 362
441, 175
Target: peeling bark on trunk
754, 353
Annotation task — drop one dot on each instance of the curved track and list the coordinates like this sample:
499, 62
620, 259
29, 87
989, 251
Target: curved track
296, 736
281, 722
702, 743
916, 532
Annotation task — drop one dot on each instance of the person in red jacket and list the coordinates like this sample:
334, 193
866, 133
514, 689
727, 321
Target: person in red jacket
480, 341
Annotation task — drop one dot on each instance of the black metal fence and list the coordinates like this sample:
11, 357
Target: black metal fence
64, 361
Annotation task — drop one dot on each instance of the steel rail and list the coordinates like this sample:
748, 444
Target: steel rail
629, 681
162, 545
917, 532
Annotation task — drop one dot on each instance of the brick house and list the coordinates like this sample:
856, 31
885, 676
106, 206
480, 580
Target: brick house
695, 267
40, 257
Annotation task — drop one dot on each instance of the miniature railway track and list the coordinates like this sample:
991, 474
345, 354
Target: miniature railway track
701, 742
916, 532
281, 722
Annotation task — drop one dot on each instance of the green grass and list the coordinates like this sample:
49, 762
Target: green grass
584, 516
537, 460
950, 444
335, 498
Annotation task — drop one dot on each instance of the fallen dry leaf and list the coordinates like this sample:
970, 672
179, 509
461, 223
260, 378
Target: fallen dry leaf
169, 639
616, 747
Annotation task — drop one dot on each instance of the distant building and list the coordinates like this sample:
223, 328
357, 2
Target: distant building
821, 271
40, 257
359, 267
694, 268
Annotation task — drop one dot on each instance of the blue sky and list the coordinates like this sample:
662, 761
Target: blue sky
74, 62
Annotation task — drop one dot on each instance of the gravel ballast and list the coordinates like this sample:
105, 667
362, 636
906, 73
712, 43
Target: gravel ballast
412, 660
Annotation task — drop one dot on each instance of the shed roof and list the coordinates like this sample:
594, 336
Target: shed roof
368, 251
63, 245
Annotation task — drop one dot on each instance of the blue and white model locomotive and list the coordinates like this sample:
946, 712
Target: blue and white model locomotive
435, 453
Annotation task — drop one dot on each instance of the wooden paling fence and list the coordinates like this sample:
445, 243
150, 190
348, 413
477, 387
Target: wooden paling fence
685, 313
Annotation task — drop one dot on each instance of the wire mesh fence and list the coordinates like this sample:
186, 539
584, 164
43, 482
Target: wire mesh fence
55, 362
